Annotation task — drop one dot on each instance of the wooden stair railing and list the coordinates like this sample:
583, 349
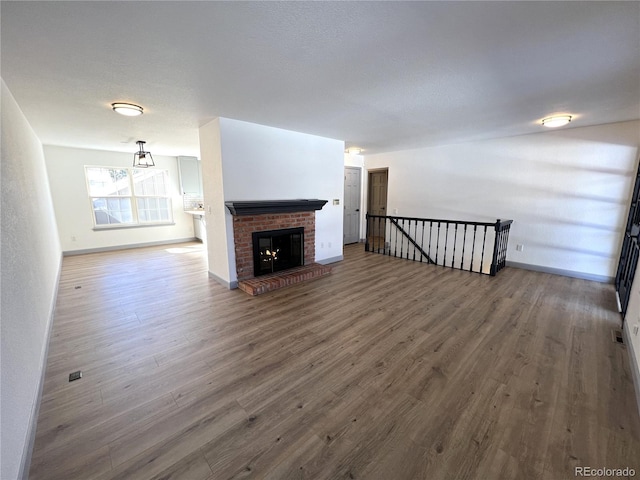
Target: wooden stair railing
456, 244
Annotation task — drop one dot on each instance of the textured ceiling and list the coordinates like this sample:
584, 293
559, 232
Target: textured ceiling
379, 75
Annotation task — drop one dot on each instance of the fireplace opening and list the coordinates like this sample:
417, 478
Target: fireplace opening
277, 250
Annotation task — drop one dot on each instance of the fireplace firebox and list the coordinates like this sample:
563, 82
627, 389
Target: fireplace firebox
277, 250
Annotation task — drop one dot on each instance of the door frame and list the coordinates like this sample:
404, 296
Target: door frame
359, 208
369, 174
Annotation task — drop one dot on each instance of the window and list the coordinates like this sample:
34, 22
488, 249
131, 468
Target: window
129, 196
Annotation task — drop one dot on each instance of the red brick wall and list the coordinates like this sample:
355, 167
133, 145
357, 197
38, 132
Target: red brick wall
245, 225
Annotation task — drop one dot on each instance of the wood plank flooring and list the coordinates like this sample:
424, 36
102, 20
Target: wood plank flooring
386, 369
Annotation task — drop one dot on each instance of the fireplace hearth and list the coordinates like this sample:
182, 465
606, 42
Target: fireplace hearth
274, 242
277, 250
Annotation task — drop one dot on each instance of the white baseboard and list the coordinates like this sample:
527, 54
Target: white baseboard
561, 271
327, 261
128, 246
230, 285
633, 356
27, 453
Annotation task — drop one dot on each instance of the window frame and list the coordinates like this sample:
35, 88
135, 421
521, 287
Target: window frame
133, 199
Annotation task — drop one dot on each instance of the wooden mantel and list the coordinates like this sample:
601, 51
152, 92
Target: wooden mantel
260, 207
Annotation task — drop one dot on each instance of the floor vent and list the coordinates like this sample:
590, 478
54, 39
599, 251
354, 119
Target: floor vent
75, 376
617, 336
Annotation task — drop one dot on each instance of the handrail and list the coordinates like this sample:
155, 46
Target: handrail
450, 243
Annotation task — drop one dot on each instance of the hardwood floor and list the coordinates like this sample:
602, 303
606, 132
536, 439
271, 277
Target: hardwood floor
385, 369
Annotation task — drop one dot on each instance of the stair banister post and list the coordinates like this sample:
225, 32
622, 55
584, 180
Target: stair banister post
366, 234
494, 258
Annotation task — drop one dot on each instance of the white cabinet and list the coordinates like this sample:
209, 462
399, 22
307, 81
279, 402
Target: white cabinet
199, 224
190, 176
200, 228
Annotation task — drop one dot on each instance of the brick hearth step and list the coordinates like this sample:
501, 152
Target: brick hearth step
274, 281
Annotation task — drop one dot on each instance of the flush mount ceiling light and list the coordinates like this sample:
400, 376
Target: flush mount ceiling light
128, 109
556, 121
354, 151
142, 159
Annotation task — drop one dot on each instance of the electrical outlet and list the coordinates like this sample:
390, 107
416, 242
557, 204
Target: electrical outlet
519, 247
73, 238
395, 211
329, 244
336, 201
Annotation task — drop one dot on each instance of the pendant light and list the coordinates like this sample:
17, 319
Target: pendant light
142, 159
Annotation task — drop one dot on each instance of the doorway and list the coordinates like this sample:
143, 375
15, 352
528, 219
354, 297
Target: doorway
377, 199
351, 204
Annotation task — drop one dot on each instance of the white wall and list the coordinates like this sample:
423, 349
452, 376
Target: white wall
266, 163
632, 320
219, 226
566, 190
65, 167
31, 257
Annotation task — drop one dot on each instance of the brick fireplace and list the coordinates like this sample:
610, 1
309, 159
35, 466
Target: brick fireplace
261, 216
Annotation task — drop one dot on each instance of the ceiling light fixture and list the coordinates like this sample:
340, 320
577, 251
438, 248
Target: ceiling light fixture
142, 159
354, 151
128, 109
556, 121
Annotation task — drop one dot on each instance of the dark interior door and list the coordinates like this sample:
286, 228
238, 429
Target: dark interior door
377, 205
378, 192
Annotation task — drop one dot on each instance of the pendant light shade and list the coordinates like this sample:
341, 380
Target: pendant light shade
142, 159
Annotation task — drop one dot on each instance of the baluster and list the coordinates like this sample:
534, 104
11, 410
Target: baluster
430, 231
437, 243
506, 242
395, 243
410, 244
408, 239
500, 251
389, 226
473, 249
455, 240
484, 241
500, 260
372, 232
415, 236
366, 239
375, 233
464, 244
446, 241
402, 240
496, 245
422, 241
